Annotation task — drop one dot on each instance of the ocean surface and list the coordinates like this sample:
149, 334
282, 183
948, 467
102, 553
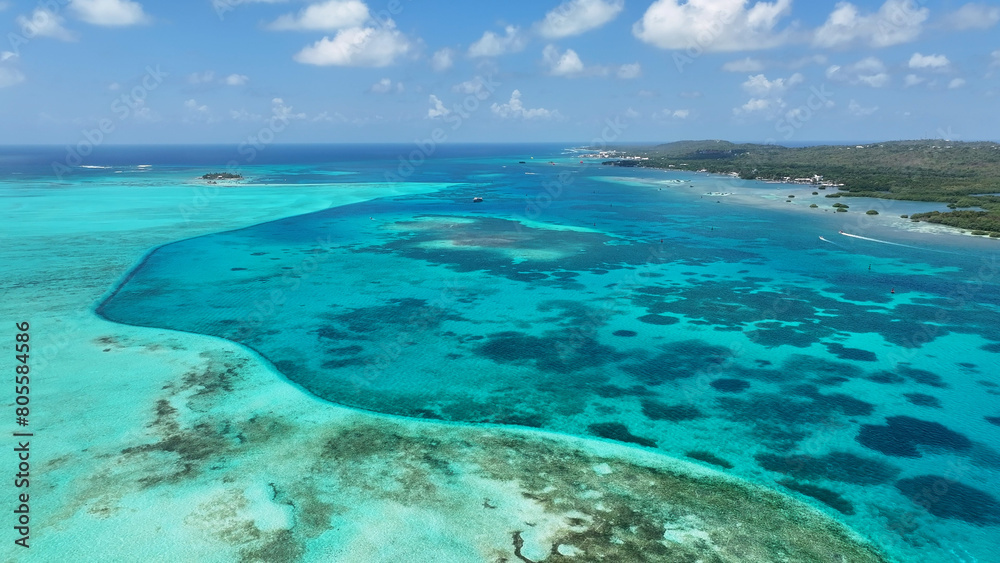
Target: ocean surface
830, 356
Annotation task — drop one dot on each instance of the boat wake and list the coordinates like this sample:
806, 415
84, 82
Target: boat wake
877, 240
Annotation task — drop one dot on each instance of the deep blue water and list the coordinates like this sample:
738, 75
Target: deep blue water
619, 303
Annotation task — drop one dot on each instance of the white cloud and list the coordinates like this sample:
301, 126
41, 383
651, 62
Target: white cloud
869, 71
473, 86
45, 23
693, 94
244, 115
973, 16
897, 21
743, 65
574, 17
631, 113
493, 45
111, 13
114, 86
629, 71
437, 109
995, 59
564, 64
5, 55
713, 25
10, 77
443, 59
956, 83
671, 114
357, 46
855, 109
385, 86
514, 109
759, 86
201, 77
936, 62
4, 5
283, 112
324, 16
193, 105
235, 80
912, 80
759, 105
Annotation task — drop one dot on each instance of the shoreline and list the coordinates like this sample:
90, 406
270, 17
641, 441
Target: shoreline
768, 197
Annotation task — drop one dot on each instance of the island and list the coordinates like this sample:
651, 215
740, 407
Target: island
222, 176
963, 175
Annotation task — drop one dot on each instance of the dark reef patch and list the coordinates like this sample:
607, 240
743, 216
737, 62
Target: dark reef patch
625, 333
659, 320
945, 498
620, 432
556, 352
679, 360
655, 410
835, 466
826, 496
902, 434
994, 420
726, 385
856, 354
922, 400
709, 457
921, 376
886, 377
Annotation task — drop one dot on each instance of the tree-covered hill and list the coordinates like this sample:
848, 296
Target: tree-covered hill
965, 175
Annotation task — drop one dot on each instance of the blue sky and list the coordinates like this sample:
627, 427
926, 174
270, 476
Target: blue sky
218, 71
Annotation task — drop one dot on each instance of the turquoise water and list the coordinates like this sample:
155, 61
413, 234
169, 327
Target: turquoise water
624, 304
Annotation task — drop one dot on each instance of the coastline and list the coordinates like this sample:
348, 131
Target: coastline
768, 194
151, 411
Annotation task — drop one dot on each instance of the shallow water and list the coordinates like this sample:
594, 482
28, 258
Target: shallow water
742, 339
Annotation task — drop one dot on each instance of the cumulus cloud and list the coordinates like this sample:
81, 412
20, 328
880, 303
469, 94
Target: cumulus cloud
574, 17
493, 45
672, 114
562, 64
857, 110
45, 23
284, 112
235, 80
766, 95
869, 71
110, 13
743, 65
437, 108
956, 83
324, 16
201, 77
760, 105
713, 25
973, 16
514, 109
443, 59
936, 62
759, 86
912, 80
385, 86
357, 46
629, 71
897, 21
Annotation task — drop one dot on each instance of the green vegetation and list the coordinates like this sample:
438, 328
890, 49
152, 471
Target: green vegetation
813, 205
871, 212
845, 206
963, 175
